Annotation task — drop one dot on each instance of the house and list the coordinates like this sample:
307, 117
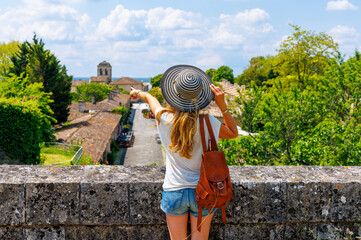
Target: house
75, 83
126, 83
94, 126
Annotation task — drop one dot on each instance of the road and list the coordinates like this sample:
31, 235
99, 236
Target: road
145, 150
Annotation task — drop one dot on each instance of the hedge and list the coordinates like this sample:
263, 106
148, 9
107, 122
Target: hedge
20, 132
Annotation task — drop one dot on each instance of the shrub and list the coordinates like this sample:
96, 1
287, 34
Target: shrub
20, 130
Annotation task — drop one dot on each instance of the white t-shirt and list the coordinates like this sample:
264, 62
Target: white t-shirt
182, 172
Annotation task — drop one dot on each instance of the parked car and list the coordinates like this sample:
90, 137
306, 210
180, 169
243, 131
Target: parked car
157, 138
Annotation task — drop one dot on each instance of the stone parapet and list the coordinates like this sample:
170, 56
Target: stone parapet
121, 202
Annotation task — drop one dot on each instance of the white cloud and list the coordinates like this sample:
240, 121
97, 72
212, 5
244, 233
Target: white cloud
209, 60
340, 5
234, 29
347, 37
155, 37
52, 22
122, 23
344, 34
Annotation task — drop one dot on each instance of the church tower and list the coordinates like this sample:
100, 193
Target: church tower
105, 70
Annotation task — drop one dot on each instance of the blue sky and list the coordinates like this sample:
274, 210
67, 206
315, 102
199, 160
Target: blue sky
142, 38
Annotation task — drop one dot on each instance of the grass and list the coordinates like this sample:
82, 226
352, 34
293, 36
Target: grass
59, 159
58, 156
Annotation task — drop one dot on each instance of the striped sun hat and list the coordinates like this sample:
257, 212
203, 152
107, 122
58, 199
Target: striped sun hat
186, 88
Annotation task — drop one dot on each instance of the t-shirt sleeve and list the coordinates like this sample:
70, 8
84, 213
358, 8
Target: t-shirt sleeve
157, 110
216, 126
165, 117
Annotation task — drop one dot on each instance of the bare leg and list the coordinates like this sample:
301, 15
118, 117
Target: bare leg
177, 226
206, 225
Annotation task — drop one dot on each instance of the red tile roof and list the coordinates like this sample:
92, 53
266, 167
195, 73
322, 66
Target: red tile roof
125, 81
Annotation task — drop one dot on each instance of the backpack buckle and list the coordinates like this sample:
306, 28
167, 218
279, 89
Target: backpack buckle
220, 185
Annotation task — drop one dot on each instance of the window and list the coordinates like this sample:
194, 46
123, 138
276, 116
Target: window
100, 71
106, 72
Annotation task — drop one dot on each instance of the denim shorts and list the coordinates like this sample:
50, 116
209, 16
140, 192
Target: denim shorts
181, 202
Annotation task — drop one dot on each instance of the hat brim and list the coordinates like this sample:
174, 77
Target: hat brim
171, 96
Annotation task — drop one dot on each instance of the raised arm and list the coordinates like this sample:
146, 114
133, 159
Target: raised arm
146, 97
229, 130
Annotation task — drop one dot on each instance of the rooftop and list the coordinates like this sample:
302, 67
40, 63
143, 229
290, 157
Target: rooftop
104, 64
125, 81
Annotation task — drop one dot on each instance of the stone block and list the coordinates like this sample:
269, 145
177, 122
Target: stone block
52, 203
216, 232
12, 208
254, 232
12, 233
45, 233
309, 202
96, 233
144, 202
255, 202
346, 202
322, 231
104, 203
148, 232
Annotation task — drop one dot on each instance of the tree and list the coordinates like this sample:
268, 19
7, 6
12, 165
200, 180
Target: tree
299, 120
155, 81
210, 72
6, 51
304, 54
260, 70
157, 93
97, 90
40, 65
22, 90
223, 72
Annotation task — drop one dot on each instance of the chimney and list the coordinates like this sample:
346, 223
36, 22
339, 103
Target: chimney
93, 100
81, 106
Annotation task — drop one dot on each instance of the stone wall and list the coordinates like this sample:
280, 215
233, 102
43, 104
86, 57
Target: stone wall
119, 202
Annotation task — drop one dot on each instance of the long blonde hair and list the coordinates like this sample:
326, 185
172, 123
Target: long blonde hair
183, 130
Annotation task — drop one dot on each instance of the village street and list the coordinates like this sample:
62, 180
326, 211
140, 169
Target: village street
145, 150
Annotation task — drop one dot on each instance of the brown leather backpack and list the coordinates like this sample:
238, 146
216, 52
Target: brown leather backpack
214, 188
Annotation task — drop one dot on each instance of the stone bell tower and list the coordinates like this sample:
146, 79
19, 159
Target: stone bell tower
105, 71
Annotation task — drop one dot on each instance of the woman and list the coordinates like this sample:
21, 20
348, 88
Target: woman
187, 90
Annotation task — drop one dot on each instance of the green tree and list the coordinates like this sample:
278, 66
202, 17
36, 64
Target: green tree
302, 121
223, 72
25, 118
313, 125
210, 72
155, 81
260, 70
97, 90
40, 65
20, 89
304, 54
6, 51
157, 93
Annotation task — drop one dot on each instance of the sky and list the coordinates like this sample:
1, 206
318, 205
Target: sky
143, 38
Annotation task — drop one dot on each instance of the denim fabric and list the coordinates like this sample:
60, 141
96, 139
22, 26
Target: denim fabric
181, 202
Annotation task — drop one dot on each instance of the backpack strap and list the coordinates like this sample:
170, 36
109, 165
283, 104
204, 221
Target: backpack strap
211, 134
223, 208
201, 126
199, 221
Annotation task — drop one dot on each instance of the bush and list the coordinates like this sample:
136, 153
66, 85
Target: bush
20, 130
